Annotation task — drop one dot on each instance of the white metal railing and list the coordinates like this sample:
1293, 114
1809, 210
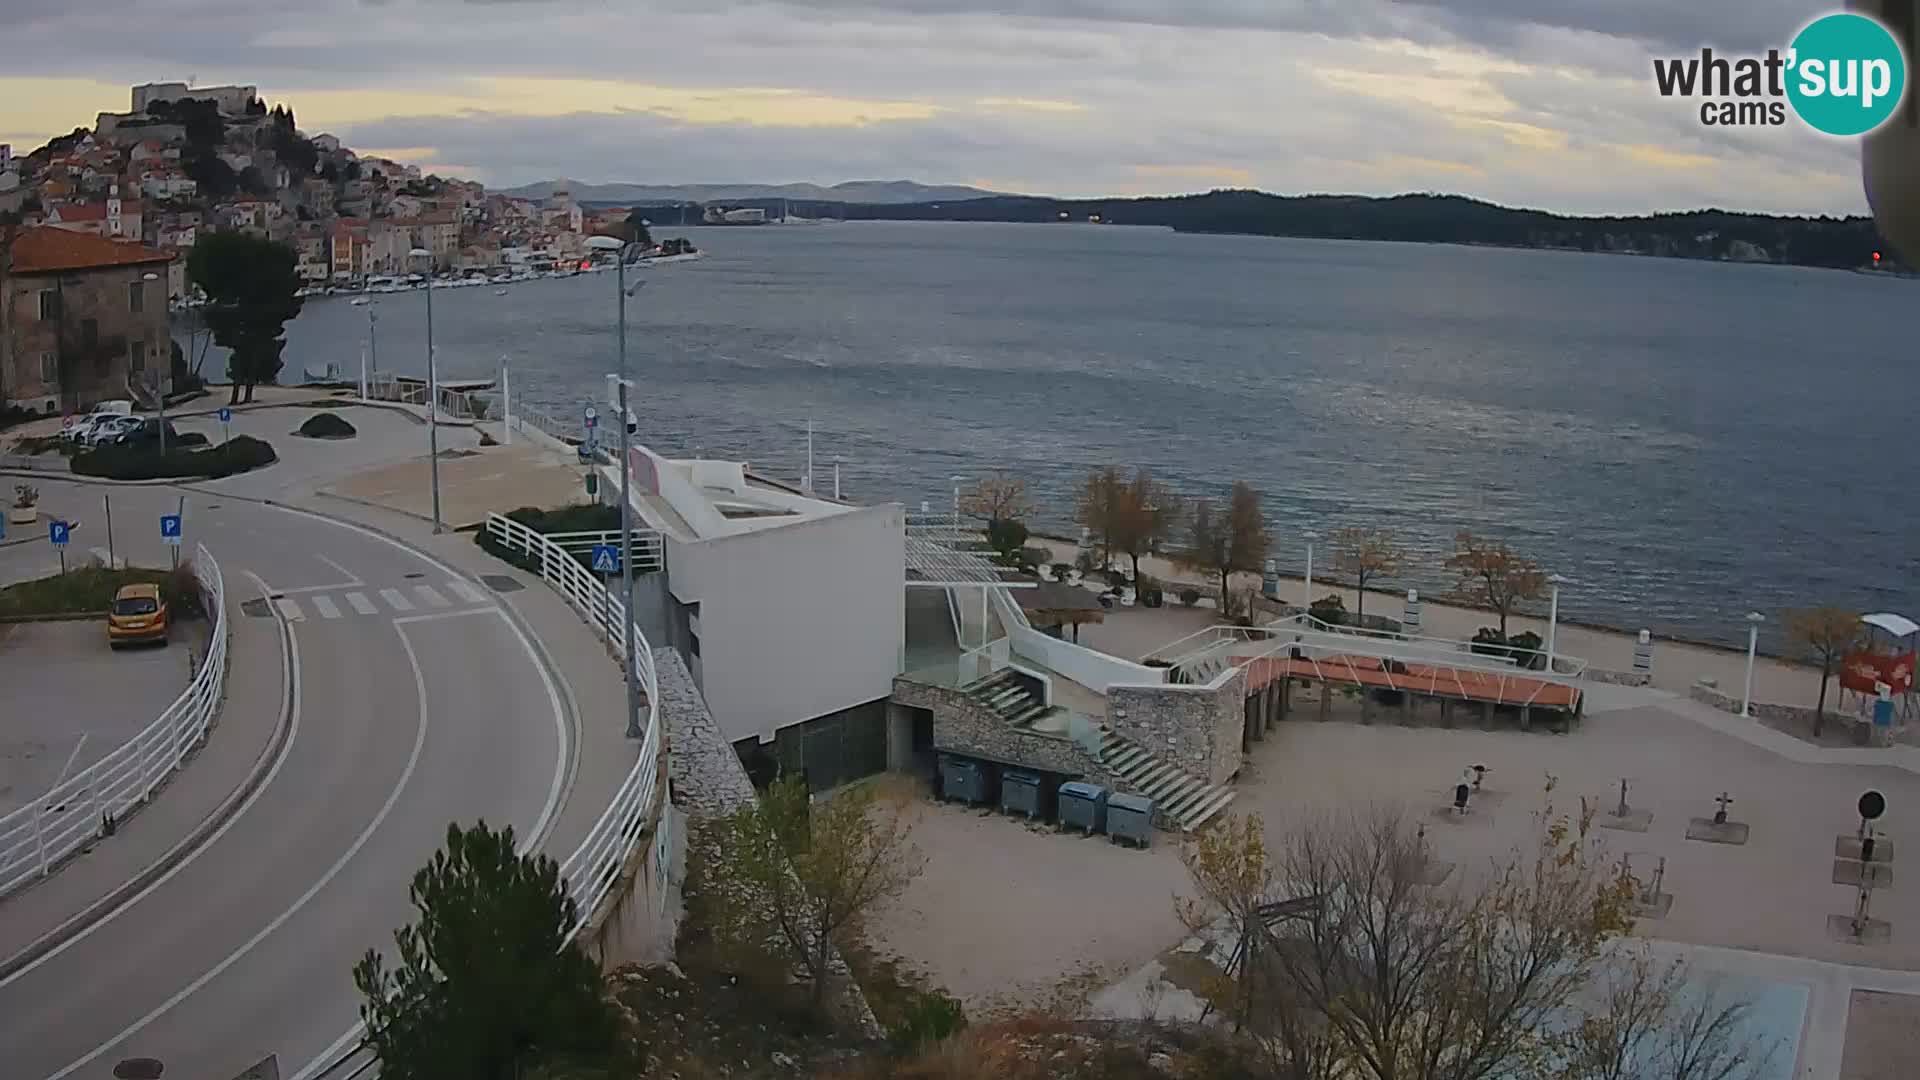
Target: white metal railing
646, 545
1343, 658
592, 869
86, 805
1417, 648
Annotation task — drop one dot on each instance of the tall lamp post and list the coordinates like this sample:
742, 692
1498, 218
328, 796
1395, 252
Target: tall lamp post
373, 340
433, 392
1553, 616
1307, 606
1754, 619
956, 481
165, 374
620, 249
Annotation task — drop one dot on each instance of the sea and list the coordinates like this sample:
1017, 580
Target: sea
1684, 441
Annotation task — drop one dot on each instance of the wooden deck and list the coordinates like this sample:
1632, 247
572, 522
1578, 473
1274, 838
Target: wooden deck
1434, 680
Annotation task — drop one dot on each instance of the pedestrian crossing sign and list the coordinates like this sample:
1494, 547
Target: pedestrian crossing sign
606, 559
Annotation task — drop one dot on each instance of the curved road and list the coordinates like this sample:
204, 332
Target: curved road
414, 701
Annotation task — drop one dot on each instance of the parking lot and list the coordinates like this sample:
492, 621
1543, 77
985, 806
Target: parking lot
70, 700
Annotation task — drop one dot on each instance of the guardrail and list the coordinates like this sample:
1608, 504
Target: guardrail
91, 803
594, 866
646, 545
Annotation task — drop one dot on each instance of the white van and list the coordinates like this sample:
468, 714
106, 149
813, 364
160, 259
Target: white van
77, 428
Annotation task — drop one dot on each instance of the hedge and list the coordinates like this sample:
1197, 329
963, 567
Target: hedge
90, 590
565, 519
326, 425
240, 454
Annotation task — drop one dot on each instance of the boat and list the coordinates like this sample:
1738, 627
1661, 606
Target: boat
499, 292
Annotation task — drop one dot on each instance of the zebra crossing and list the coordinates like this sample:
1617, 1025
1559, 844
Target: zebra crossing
372, 601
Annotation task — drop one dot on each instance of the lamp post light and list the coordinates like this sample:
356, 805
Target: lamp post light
369, 364
956, 481
1754, 619
1307, 606
620, 249
433, 392
1553, 616
165, 376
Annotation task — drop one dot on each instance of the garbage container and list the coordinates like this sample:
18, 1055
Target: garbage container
963, 779
1020, 792
1083, 806
1130, 818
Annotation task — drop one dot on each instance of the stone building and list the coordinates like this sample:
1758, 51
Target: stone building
79, 315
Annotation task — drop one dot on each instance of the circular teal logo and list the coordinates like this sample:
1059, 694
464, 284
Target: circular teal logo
1846, 74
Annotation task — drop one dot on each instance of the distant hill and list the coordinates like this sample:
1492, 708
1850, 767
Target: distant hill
871, 192
1841, 243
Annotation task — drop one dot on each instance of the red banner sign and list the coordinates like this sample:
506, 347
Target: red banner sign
1860, 671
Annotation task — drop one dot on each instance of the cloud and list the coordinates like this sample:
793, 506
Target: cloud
1535, 102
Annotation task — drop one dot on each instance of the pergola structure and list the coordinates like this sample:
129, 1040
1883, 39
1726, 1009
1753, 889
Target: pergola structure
942, 554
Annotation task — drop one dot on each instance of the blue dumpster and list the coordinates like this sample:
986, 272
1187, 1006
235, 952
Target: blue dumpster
963, 779
1020, 792
1083, 806
1130, 818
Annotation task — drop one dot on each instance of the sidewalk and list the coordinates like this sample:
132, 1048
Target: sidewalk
217, 778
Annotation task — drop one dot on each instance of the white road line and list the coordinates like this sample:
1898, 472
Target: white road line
344, 572
395, 600
234, 957
360, 604
325, 606
466, 592
290, 608
431, 596
290, 655
442, 616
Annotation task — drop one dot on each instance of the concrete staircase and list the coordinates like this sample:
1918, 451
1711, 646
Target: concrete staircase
1186, 801
1008, 697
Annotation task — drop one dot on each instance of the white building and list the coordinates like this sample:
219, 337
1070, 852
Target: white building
789, 608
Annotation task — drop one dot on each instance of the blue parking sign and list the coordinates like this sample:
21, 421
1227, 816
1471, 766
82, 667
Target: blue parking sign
170, 528
226, 414
606, 559
58, 531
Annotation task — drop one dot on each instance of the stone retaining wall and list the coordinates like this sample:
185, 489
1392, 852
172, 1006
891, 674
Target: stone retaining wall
1195, 728
1621, 678
964, 726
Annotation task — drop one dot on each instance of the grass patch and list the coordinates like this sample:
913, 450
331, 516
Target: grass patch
239, 454
89, 591
565, 519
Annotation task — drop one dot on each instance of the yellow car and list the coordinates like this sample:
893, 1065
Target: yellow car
139, 613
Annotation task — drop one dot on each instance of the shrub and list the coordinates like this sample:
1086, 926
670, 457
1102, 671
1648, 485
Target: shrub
931, 1017
240, 454
1526, 650
1329, 609
1007, 537
1060, 570
1487, 641
326, 425
592, 517
25, 495
1189, 596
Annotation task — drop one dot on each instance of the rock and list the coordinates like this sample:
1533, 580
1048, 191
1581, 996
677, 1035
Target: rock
1160, 1061
785, 1061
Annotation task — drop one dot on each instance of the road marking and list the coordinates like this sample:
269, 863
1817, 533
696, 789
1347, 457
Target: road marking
325, 606
290, 608
466, 592
431, 596
290, 656
360, 603
395, 600
442, 616
234, 957
352, 579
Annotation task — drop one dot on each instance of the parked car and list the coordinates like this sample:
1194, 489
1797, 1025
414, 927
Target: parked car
139, 613
108, 430
147, 433
77, 426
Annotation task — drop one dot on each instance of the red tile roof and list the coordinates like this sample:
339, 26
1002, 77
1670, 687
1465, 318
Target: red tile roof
47, 249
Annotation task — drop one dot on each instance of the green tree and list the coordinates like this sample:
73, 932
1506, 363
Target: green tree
1829, 633
803, 875
637, 229
487, 985
250, 284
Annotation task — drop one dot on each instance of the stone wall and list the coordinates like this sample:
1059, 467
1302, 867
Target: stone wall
1622, 678
1196, 728
1793, 715
963, 725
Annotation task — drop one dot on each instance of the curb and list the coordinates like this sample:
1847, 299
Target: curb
93, 913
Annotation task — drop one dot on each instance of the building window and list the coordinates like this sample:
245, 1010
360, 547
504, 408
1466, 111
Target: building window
49, 369
136, 356
49, 305
137, 297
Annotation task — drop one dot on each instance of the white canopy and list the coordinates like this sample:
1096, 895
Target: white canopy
1897, 625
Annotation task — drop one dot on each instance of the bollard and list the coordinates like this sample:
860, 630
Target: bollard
1270, 581
1411, 618
1643, 653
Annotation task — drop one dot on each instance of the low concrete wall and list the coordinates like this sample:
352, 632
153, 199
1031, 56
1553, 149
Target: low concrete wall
1197, 728
1863, 734
1623, 678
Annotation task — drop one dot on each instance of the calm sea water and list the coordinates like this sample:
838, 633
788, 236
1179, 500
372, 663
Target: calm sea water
1687, 441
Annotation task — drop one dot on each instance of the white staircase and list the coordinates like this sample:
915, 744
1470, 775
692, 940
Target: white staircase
1008, 697
1185, 800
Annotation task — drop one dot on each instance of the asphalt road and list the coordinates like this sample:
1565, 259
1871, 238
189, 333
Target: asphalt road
415, 703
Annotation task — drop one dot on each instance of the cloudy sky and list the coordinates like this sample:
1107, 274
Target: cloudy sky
1544, 103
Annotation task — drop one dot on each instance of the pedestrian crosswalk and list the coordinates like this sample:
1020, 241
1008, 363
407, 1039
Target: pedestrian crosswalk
362, 603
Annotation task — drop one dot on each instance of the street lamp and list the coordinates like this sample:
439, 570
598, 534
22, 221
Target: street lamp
1308, 605
371, 363
620, 249
1553, 615
160, 383
1754, 619
956, 481
433, 392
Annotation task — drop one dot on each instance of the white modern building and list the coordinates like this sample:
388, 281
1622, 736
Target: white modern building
789, 608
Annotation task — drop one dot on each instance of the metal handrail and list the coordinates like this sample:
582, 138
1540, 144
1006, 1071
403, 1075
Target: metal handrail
647, 545
92, 802
593, 867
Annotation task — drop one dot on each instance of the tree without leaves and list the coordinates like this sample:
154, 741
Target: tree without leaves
1642, 1023
1366, 554
997, 496
487, 985
804, 876
1223, 544
1494, 576
1829, 634
1145, 513
1098, 508
250, 284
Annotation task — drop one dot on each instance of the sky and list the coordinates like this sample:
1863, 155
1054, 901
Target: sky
1538, 103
